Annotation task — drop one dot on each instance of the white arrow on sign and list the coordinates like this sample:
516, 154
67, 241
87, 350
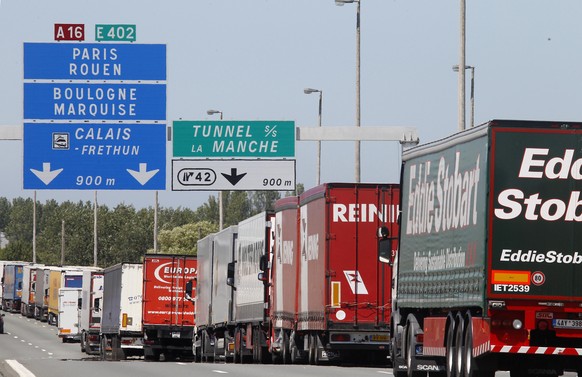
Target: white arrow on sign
46, 175
143, 175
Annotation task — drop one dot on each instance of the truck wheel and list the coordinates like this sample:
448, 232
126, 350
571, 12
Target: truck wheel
237, 346
311, 350
103, 348
316, 359
411, 329
285, 349
451, 350
294, 350
82, 342
460, 349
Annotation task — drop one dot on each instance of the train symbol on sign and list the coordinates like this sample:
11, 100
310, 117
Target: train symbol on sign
197, 177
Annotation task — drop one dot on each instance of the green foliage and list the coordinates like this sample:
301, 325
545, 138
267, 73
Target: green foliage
124, 234
183, 239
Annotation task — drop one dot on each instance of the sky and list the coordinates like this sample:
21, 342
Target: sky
252, 59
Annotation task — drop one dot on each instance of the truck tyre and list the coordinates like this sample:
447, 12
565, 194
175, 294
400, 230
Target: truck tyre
316, 360
237, 346
82, 342
450, 350
286, 357
460, 349
312, 350
103, 348
411, 330
294, 350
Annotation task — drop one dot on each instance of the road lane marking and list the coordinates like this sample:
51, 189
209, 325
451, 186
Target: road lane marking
220, 371
19, 368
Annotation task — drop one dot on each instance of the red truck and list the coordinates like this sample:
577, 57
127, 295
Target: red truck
283, 297
168, 315
489, 272
342, 303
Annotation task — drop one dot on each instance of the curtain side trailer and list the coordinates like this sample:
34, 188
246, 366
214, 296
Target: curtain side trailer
489, 269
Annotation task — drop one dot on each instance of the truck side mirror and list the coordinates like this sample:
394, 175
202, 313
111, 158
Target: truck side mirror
80, 303
263, 277
385, 251
384, 245
264, 263
230, 275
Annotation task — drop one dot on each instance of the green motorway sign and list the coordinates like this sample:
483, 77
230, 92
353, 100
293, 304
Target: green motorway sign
261, 139
115, 32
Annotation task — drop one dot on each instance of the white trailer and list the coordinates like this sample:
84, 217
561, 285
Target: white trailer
29, 275
121, 321
68, 319
90, 311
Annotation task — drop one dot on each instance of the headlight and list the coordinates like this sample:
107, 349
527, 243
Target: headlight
517, 324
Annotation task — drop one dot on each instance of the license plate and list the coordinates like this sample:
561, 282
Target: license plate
379, 338
175, 335
567, 323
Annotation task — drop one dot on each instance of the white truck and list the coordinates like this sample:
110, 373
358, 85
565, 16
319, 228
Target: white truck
121, 332
90, 311
28, 289
68, 319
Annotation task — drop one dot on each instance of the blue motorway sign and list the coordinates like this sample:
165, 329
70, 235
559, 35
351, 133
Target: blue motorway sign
94, 61
100, 156
96, 101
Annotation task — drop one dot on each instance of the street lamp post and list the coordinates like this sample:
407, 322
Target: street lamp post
461, 78
358, 111
220, 211
310, 91
472, 68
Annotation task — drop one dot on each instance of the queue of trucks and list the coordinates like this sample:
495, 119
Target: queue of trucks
302, 284
471, 265
130, 309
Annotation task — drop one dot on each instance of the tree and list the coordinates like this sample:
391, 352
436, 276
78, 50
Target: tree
299, 189
5, 208
236, 207
263, 200
183, 240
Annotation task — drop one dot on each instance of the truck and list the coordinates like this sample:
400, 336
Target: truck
488, 271
121, 333
214, 310
2, 264
168, 316
90, 309
344, 291
68, 319
28, 289
41, 293
248, 276
283, 293
61, 277
12, 287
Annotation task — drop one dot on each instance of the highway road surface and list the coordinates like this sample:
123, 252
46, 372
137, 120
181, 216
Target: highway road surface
32, 348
